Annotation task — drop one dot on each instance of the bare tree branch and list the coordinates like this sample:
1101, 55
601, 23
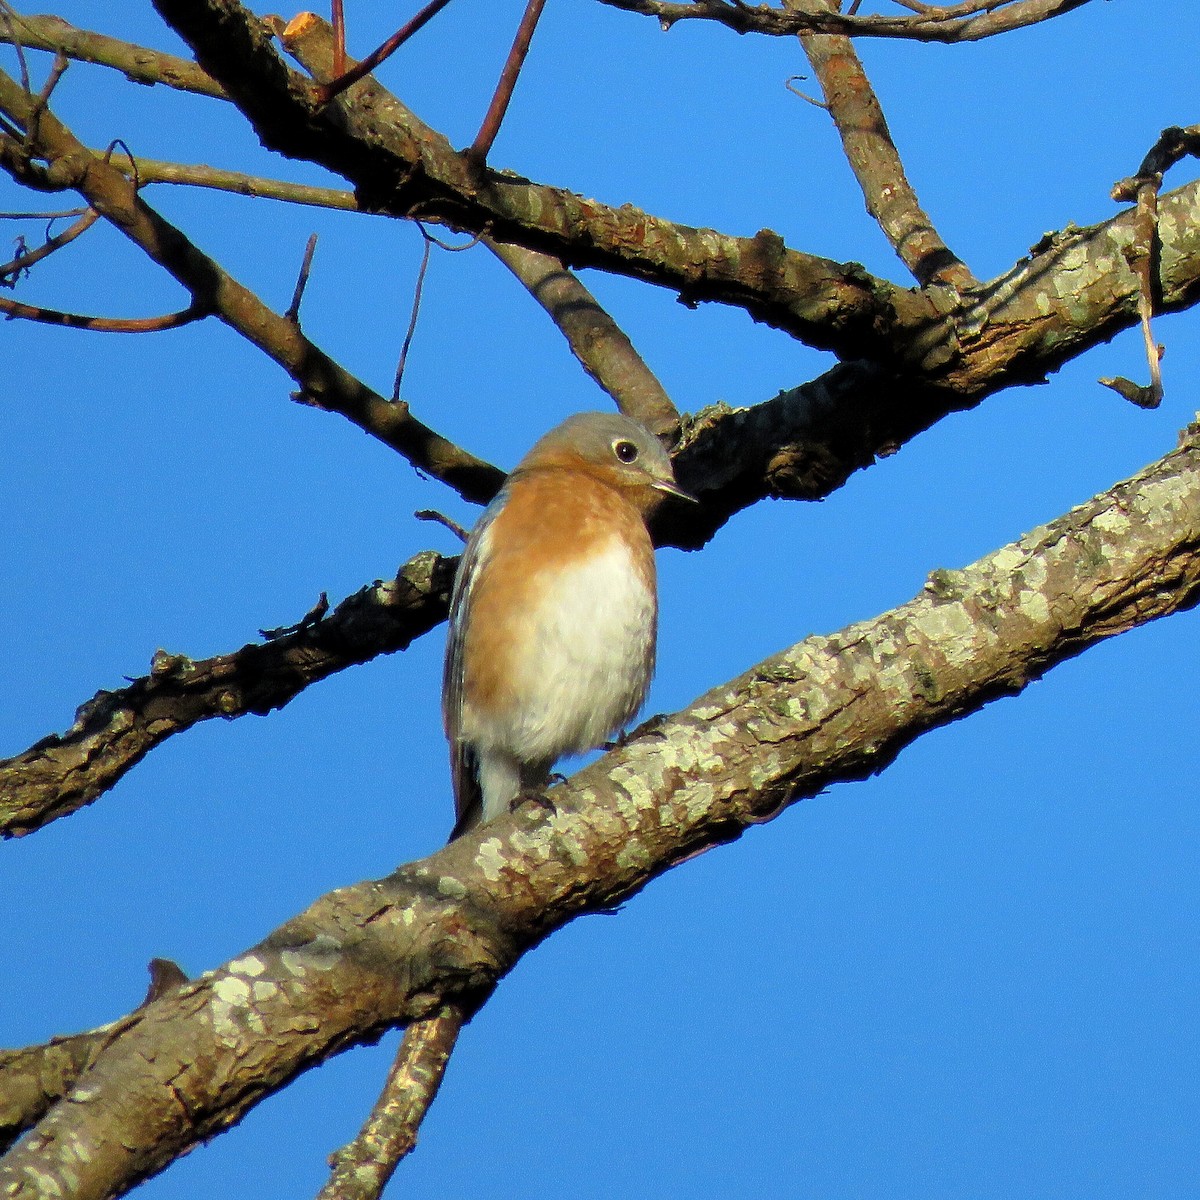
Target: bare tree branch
362, 1168
445, 929
11, 271
34, 1079
1077, 289
931, 23
1074, 292
324, 382
872, 155
15, 310
597, 341
153, 170
600, 345
1173, 144
477, 154
138, 63
398, 171
114, 730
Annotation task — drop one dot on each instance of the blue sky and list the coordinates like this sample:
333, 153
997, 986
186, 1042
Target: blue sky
973, 976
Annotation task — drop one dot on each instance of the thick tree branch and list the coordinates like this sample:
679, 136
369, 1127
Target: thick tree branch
1077, 290
33, 1080
114, 730
934, 23
597, 341
867, 141
364, 137
324, 382
445, 929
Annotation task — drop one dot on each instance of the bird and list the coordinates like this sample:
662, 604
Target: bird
554, 611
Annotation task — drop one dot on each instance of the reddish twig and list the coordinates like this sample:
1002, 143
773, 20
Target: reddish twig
478, 152
339, 38
334, 87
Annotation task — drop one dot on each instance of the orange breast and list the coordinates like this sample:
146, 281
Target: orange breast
523, 660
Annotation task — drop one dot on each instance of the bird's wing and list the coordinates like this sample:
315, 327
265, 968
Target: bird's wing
464, 775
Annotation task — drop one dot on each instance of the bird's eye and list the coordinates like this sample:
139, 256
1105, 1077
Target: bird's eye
626, 452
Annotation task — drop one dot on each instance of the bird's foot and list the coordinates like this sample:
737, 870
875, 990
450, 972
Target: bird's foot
537, 799
649, 725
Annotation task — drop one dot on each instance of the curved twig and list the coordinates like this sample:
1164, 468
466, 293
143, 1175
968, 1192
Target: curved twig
15, 310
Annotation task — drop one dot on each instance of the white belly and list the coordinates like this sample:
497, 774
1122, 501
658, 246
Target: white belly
585, 662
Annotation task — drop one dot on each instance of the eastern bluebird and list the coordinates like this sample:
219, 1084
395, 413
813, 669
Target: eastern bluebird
554, 610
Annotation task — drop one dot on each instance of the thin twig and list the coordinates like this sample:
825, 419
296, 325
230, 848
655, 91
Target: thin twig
8, 13
43, 216
56, 72
49, 316
946, 23
596, 340
322, 380
310, 620
339, 38
26, 258
789, 83
151, 170
293, 309
415, 313
478, 152
334, 87
431, 514
1174, 143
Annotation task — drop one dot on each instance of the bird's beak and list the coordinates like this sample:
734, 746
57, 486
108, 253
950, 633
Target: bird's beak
673, 489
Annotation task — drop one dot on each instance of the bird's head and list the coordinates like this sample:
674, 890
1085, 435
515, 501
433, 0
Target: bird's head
613, 448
